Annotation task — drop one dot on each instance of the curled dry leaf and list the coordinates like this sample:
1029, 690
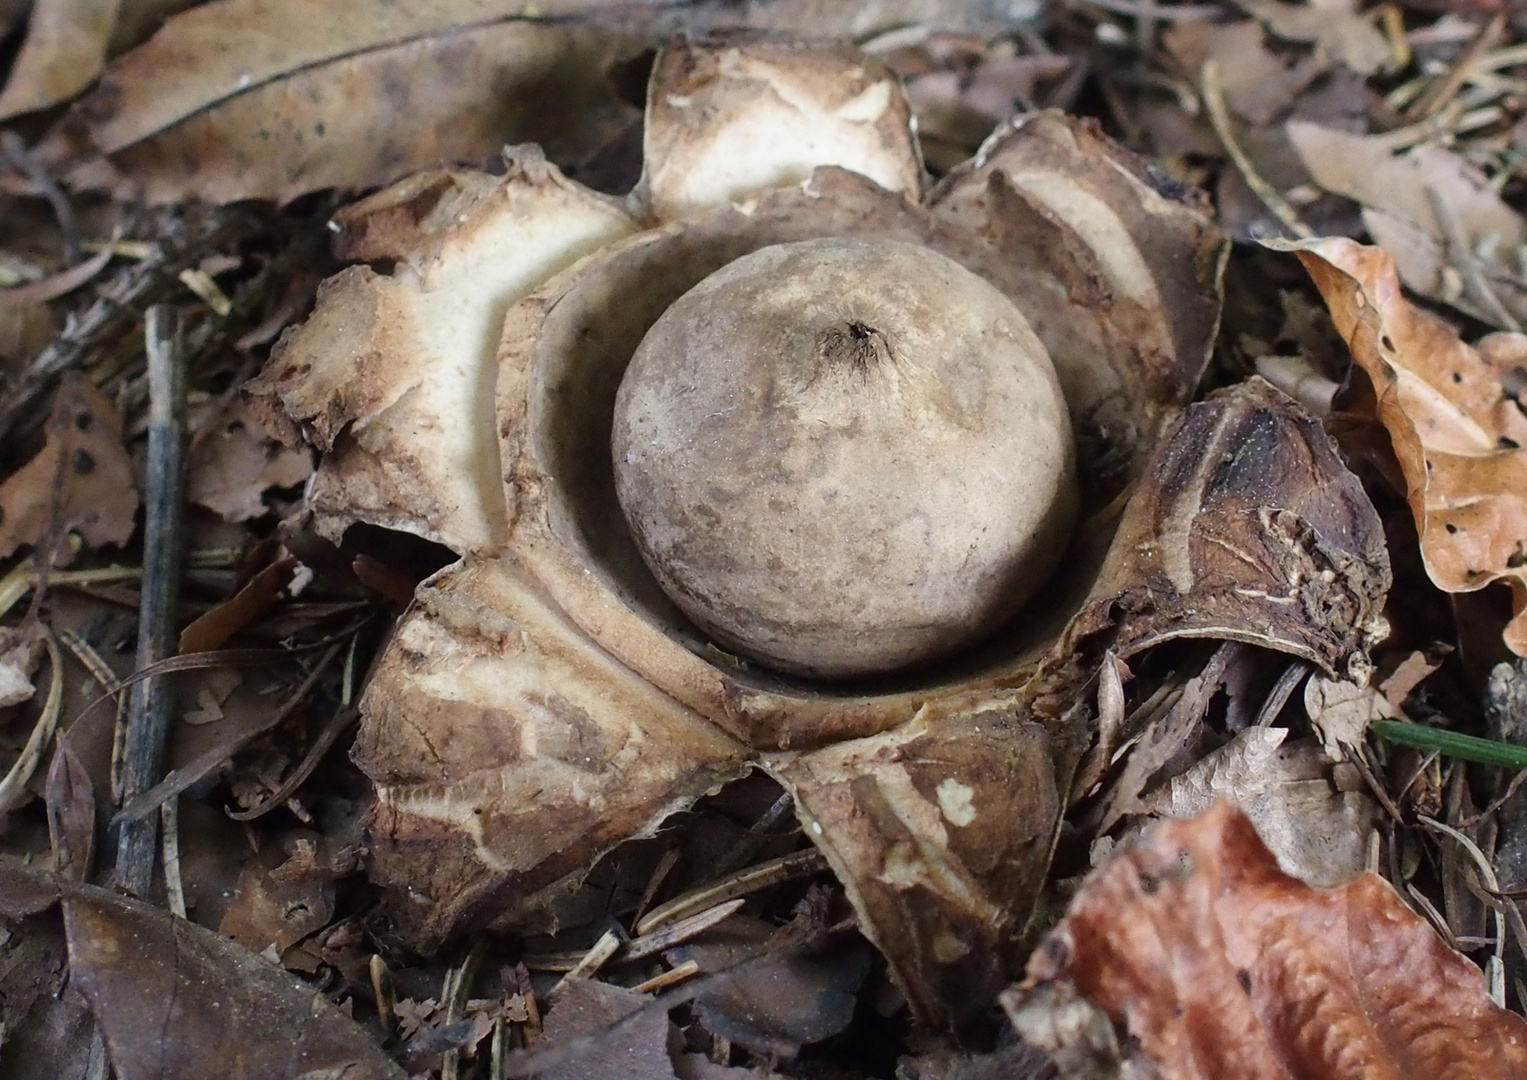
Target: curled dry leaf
1452, 413
1191, 956
545, 699
81, 480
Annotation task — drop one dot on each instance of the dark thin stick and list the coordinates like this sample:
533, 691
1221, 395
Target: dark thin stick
152, 700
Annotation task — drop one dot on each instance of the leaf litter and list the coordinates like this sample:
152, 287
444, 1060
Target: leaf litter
1254, 578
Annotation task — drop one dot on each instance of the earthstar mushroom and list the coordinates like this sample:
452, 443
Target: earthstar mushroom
545, 698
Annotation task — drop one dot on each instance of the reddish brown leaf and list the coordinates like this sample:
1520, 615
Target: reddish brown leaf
263, 592
81, 480
1212, 963
1458, 431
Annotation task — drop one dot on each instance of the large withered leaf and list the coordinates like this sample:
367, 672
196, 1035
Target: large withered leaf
174, 1000
67, 43
1452, 413
368, 115
268, 98
1191, 956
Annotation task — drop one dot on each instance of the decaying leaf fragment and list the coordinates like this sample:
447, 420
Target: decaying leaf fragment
1453, 415
81, 480
1191, 956
544, 699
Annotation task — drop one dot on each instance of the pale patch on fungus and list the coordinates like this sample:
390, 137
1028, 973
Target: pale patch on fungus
956, 800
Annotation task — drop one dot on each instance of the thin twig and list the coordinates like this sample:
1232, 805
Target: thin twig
174, 890
607, 946
1440, 92
740, 883
757, 832
112, 313
671, 977
153, 699
105, 676
458, 984
1458, 253
1143, 10
146, 802
17, 154
386, 996
1219, 118
342, 719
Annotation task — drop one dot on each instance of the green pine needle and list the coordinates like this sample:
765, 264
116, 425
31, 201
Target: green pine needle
1451, 743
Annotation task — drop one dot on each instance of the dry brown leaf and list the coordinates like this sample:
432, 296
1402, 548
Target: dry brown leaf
1318, 833
776, 1003
67, 44
63, 52
1336, 28
1191, 956
235, 463
258, 98
81, 480
174, 1000
259, 595
25, 330
1436, 214
1341, 711
362, 118
1258, 85
1452, 413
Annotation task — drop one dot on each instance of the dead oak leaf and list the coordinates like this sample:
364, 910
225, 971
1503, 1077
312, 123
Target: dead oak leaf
64, 49
1215, 964
1457, 427
82, 479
